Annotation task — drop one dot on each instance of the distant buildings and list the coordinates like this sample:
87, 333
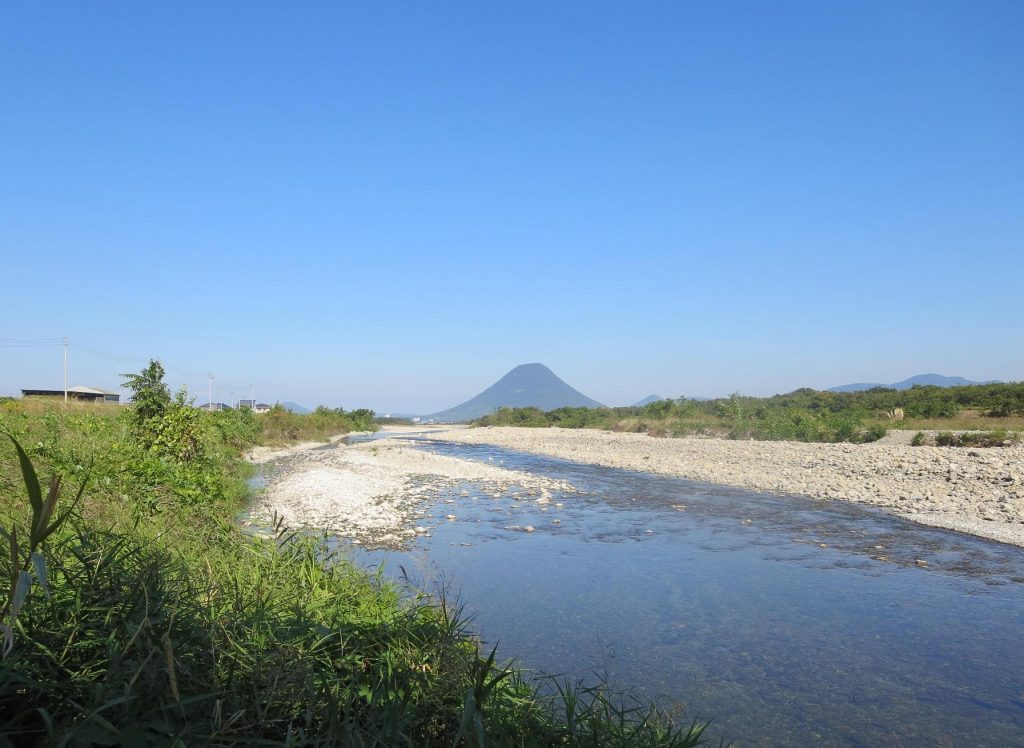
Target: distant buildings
86, 394
257, 408
96, 395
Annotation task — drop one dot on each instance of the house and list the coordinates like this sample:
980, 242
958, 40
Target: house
87, 394
261, 408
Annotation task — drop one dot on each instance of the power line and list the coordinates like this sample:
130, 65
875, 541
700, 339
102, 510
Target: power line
38, 343
31, 340
107, 355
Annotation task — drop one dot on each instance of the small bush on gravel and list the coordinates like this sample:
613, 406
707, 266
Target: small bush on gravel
998, 438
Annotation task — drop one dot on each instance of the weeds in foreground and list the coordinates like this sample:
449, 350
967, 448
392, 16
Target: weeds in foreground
26, 562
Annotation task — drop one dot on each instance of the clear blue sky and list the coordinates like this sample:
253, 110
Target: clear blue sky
392, 204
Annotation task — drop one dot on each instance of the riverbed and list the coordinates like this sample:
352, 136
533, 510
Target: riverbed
787, 620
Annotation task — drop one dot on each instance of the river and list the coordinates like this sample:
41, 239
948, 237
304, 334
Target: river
787, 621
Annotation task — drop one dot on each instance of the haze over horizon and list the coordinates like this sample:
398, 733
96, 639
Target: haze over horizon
393, 206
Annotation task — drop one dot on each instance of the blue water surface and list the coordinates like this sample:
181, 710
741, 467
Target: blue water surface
789, 621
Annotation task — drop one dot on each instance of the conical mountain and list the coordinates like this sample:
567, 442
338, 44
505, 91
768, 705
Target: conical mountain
527, 385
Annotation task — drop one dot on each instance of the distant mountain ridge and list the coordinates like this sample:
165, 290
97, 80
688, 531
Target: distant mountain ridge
295, 408
524, 386
647, 401
936, 380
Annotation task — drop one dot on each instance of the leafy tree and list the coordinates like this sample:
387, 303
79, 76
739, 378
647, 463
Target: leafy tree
150, 394
166, 425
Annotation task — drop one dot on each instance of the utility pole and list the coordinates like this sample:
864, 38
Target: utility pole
65, 368
211, 392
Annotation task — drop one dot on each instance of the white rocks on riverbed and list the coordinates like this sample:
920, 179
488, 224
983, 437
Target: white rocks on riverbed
373, 491
979, 491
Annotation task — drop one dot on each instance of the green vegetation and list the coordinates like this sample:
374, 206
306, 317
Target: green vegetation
804, 415
998, 438
280, 426
139, 614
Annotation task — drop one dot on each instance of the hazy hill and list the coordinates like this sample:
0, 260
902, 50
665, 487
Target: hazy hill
295, 408
526, 385
937, 380
647, 401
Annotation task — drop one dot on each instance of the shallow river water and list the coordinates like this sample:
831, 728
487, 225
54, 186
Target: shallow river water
788, 621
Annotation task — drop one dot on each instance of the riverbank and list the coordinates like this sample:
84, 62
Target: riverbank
262, 643
975, 491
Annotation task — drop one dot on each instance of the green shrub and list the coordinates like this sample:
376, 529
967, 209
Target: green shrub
873, 433
918, 440
150, 398
975, 439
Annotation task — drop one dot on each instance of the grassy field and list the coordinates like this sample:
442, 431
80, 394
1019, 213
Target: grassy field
147, 618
